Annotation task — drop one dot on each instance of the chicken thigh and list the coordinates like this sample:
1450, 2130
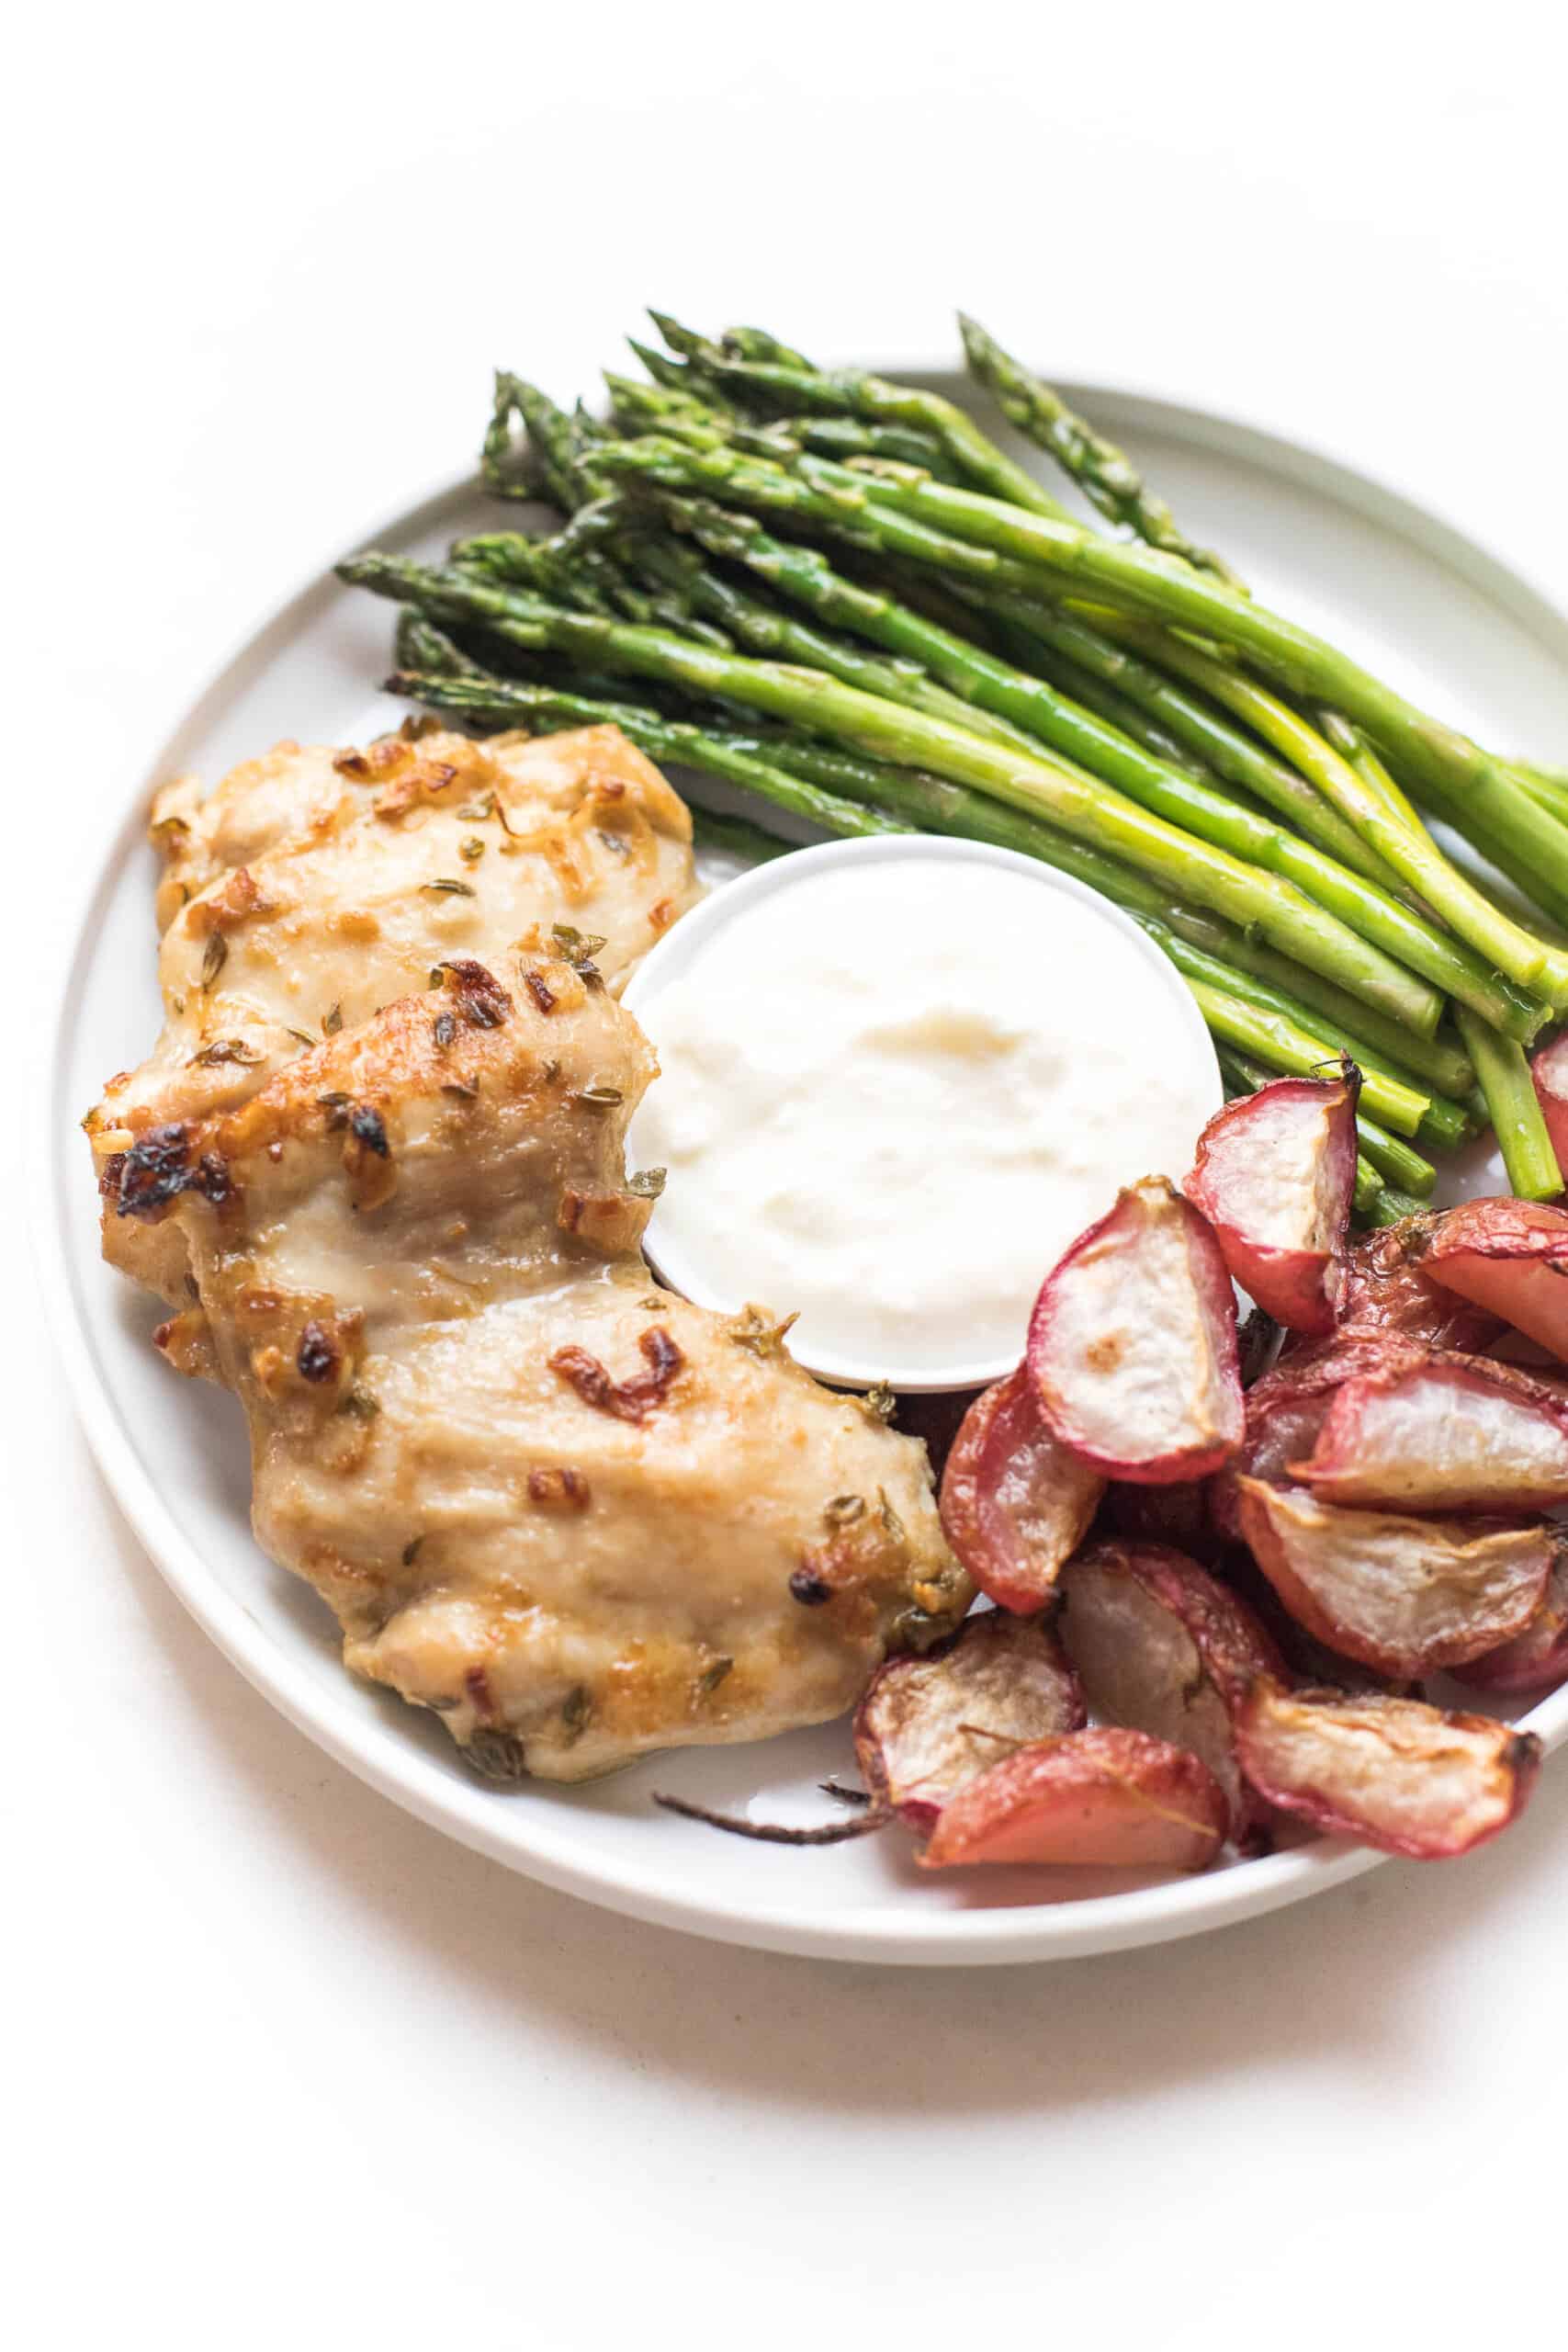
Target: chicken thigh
377, 1158
576, 1516
312, 886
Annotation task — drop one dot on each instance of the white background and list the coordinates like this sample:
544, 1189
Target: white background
287, 2067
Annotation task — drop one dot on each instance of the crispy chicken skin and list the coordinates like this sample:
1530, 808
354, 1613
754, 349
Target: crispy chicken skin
313, 886
578, 1517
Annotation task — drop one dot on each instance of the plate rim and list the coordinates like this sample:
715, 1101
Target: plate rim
402, 1771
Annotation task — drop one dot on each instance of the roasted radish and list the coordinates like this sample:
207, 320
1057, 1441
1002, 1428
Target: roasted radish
1274, 1175
1536, 1658
1133, 1347
1450, 1433
1015, 1502
927, 1725
1391, 1773
1286, 1409
1511, 1257
1402, 1594
1159, 1644
1386, 1291
1112, 1797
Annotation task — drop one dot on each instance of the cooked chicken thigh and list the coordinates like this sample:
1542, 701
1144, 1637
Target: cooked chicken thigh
579, 1517
575, 1515
312, 886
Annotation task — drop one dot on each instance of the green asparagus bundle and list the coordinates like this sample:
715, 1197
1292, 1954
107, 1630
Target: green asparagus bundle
839, 596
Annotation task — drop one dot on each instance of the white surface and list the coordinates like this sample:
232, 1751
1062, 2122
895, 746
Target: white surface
930, 1019
288, 2066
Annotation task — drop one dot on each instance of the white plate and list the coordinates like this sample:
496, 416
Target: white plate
1427, 609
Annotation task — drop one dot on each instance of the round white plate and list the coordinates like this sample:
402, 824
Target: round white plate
1427, 609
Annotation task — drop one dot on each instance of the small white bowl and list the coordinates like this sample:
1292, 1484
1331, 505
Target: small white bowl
683, 947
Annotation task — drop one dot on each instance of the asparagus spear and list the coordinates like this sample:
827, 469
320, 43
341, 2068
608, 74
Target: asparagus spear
755, 343
1350, 783
1515, 1112
1077, 804
552, 442
669, 741
1114, 485
653, 408
1231, 753
1080, 735
1393, 1159
1279, 1043
1549, 785
1443, 1122
1393, 1206
988, 539
422, 646
713, 830
1452, 966
850, 391
1105, 473
1109, 702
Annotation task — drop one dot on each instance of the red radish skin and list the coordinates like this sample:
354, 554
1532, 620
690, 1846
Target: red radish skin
1274, 1176
1511, 1257
1162, 1646
1402, 1595
1109, 1797
1550, 1072
1536, 1659
1450, 1433
1132, 1343
1386, 1291
1394, 1773
1286, 1408
926, 1725
1015, 1502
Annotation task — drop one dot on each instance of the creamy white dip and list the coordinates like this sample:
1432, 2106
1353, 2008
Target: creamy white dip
892, 1092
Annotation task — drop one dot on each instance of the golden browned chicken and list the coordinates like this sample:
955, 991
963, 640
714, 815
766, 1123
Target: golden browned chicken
576, 1516
313, 886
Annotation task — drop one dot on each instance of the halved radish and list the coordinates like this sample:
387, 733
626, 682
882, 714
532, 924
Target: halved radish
1404, 1595
1386, 1289
1510, 1257
1392, 1772
1274, 1176
1286, 1409
1536, 1658
1110, 1796
1451, 1433
1159, 1644
1132, 1347
1015, 1502
926, 1725
1549, 1071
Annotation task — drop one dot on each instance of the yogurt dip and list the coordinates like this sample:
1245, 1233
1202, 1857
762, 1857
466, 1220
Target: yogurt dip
897, 1078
